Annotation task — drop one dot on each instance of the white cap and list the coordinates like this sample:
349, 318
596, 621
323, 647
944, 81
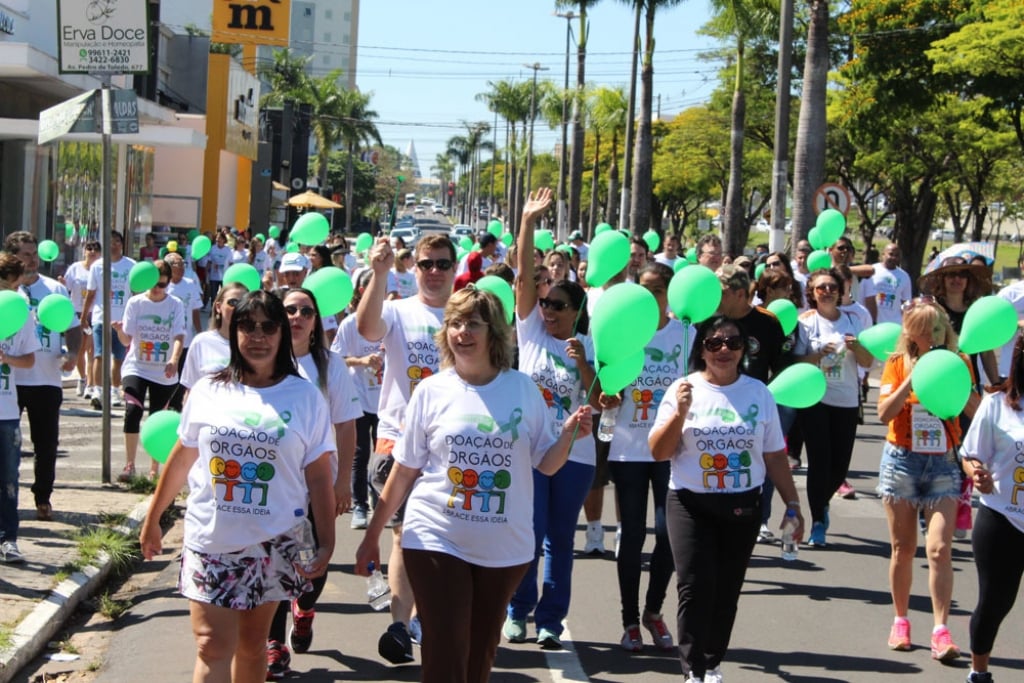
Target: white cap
293, 262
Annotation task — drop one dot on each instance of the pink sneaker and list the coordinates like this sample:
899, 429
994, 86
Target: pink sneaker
631, 639
846, 491
943, 647
899, 635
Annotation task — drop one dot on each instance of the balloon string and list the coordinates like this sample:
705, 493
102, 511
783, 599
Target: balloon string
579, 312
586, 401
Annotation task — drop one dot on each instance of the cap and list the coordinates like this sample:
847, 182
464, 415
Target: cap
486, 239
575, 235
293, 262
734, 277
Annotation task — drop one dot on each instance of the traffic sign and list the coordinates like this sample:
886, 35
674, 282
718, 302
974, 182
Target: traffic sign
832, 196
84, 114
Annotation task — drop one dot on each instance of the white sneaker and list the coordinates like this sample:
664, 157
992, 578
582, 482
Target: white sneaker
595, 539
765, 535
115, 397
714, 676
80, 389
10, 554
693, 679
618, 540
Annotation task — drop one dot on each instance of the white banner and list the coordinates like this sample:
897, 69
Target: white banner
103, 36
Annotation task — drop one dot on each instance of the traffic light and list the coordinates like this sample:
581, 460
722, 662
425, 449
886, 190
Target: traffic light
451, 188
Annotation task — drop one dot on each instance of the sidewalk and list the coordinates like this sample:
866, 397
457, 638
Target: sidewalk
34, 605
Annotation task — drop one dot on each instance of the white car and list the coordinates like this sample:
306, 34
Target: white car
439, 209
419, 209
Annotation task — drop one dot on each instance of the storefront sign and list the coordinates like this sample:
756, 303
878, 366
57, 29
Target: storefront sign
103, 36
6, 23
252, 22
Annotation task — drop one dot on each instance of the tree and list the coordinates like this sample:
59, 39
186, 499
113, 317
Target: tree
355, 127
608, 108
511, 101
809, 155
287, 76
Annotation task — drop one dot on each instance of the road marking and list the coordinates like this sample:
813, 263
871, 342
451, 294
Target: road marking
564, 665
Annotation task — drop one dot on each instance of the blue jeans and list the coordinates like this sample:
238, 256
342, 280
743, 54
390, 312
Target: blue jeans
10, 459
557, 501
632, 482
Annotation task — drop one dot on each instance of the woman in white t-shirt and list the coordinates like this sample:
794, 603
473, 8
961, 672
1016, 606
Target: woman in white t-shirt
153, 329
473, 435
255, 448
210, 350
76, 279
721, 431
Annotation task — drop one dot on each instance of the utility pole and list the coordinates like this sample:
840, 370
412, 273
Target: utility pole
563, 165
533, 115
780, 163
627, 152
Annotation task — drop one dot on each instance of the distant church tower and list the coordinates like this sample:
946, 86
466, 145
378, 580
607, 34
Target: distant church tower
413, 161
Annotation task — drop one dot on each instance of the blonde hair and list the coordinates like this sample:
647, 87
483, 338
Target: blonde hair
919, 321
462, 305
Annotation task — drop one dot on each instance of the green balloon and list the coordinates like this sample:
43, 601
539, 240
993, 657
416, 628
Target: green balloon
818, 260
609, 254
618, 375
244, 274
83, 231
625, 306
495, 228
310, 228
466, 242
13, 313
801, 385
652, 239
48, 250
192, 235
332, 288
507, 239
832, 224
143, 275
694, 294
291, 248
679, 264
625, 233
159, 433
990, 322
460, 253
544, 240
759, 271
601, 227
816, 239
69, 231
274, 231
200, 247
501, 289
56, 312
880, 340
942, 383
786, 312
364, 242
691, 254
476, 247
162, 252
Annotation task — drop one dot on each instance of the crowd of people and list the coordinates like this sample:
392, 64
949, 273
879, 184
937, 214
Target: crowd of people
422, 409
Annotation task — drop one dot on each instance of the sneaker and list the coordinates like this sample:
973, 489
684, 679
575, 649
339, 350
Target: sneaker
693, 679
514, 630
595, 540
97, 400
115, 398
794, 463
979, 677
714, 676
127, 473
395, 645
300, 637
548, 640
80, 389
631, 639
846, 491
44, 512
765, 535
659, 631
943, 648
899, 635
359, 520
959, 534
416, 631
279, 660
10, 554
817, 537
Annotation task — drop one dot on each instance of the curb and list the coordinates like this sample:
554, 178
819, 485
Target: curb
35, 631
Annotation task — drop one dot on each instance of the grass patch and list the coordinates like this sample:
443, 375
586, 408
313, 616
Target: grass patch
122, 549
141, 484
113, 518
67, 646
112, 608
6, 636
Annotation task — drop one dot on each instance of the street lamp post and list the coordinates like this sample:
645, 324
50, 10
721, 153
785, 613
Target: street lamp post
563, 163
533, 115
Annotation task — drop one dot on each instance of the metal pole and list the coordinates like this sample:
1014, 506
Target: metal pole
563, 165
107, 203
780, 163
533, 115
627, 153
494, 165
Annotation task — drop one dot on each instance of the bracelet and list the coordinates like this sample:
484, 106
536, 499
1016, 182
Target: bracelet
793, 504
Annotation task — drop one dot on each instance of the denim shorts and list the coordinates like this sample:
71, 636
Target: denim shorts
919, 478
115, 343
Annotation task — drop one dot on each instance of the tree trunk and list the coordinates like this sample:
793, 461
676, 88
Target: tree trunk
578, 131
611, 213
349, 186
596, 170
640, 209
913, 203
809, 157
735, 223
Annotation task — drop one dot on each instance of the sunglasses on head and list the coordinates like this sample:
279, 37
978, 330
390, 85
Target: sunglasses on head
714, 344
441, 264
553, 304
304, 311
924, 300
266, 327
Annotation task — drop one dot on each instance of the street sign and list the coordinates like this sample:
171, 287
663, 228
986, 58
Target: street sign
103, 36
84, 114
832, 196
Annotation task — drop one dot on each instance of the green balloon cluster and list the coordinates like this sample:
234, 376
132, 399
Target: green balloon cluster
801, 385
143, 275
244, 274
200, 247
694, 294
310, 228
48, 250
332, 288
609, 254
159, 433
786, 312
942, 383
620, 357
56, 312
501, 289
13, 313
880, 340
989, 323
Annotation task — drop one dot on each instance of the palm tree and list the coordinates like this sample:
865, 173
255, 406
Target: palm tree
809, 153
286, 75
356, 127
608, 107
444, 170
511, 101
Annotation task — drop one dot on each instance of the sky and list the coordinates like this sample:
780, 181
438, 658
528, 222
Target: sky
425, 62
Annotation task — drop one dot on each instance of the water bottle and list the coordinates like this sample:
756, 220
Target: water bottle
789, 546
303, 534
606, 427
378, 592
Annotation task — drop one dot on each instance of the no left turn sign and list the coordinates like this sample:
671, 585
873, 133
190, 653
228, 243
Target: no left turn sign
832, 196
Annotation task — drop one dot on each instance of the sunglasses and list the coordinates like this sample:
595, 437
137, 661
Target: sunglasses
715, 344
162, 284
924, 300
441, 264
266, 327
826, 287
843, 247
553, 304
92, 248
304, 311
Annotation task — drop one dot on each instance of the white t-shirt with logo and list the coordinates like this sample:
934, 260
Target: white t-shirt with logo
76, 278
18, 344
842, 382
476, 447
412, 356
217, 262
187, 291
665, 358
120, 292
406, 283
254, 445
152, 325
725, 435
208, 354
996, 438
342, 397
555, 375
349, 343
889, 288
260, 261
47, 369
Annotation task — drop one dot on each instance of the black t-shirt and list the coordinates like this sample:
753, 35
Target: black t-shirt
766, 353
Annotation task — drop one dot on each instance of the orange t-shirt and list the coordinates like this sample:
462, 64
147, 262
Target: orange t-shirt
899, 434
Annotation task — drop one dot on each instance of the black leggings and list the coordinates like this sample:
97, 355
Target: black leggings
829, 433
999, 557
712, 536
306, 601
366, 437
135, 389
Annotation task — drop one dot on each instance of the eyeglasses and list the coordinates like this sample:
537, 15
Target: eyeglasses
773, 264
304, 311
162, 284
826, 287
232, 302
924, 300
472, 326
266, 327
441, 264
715, 344
553, 304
